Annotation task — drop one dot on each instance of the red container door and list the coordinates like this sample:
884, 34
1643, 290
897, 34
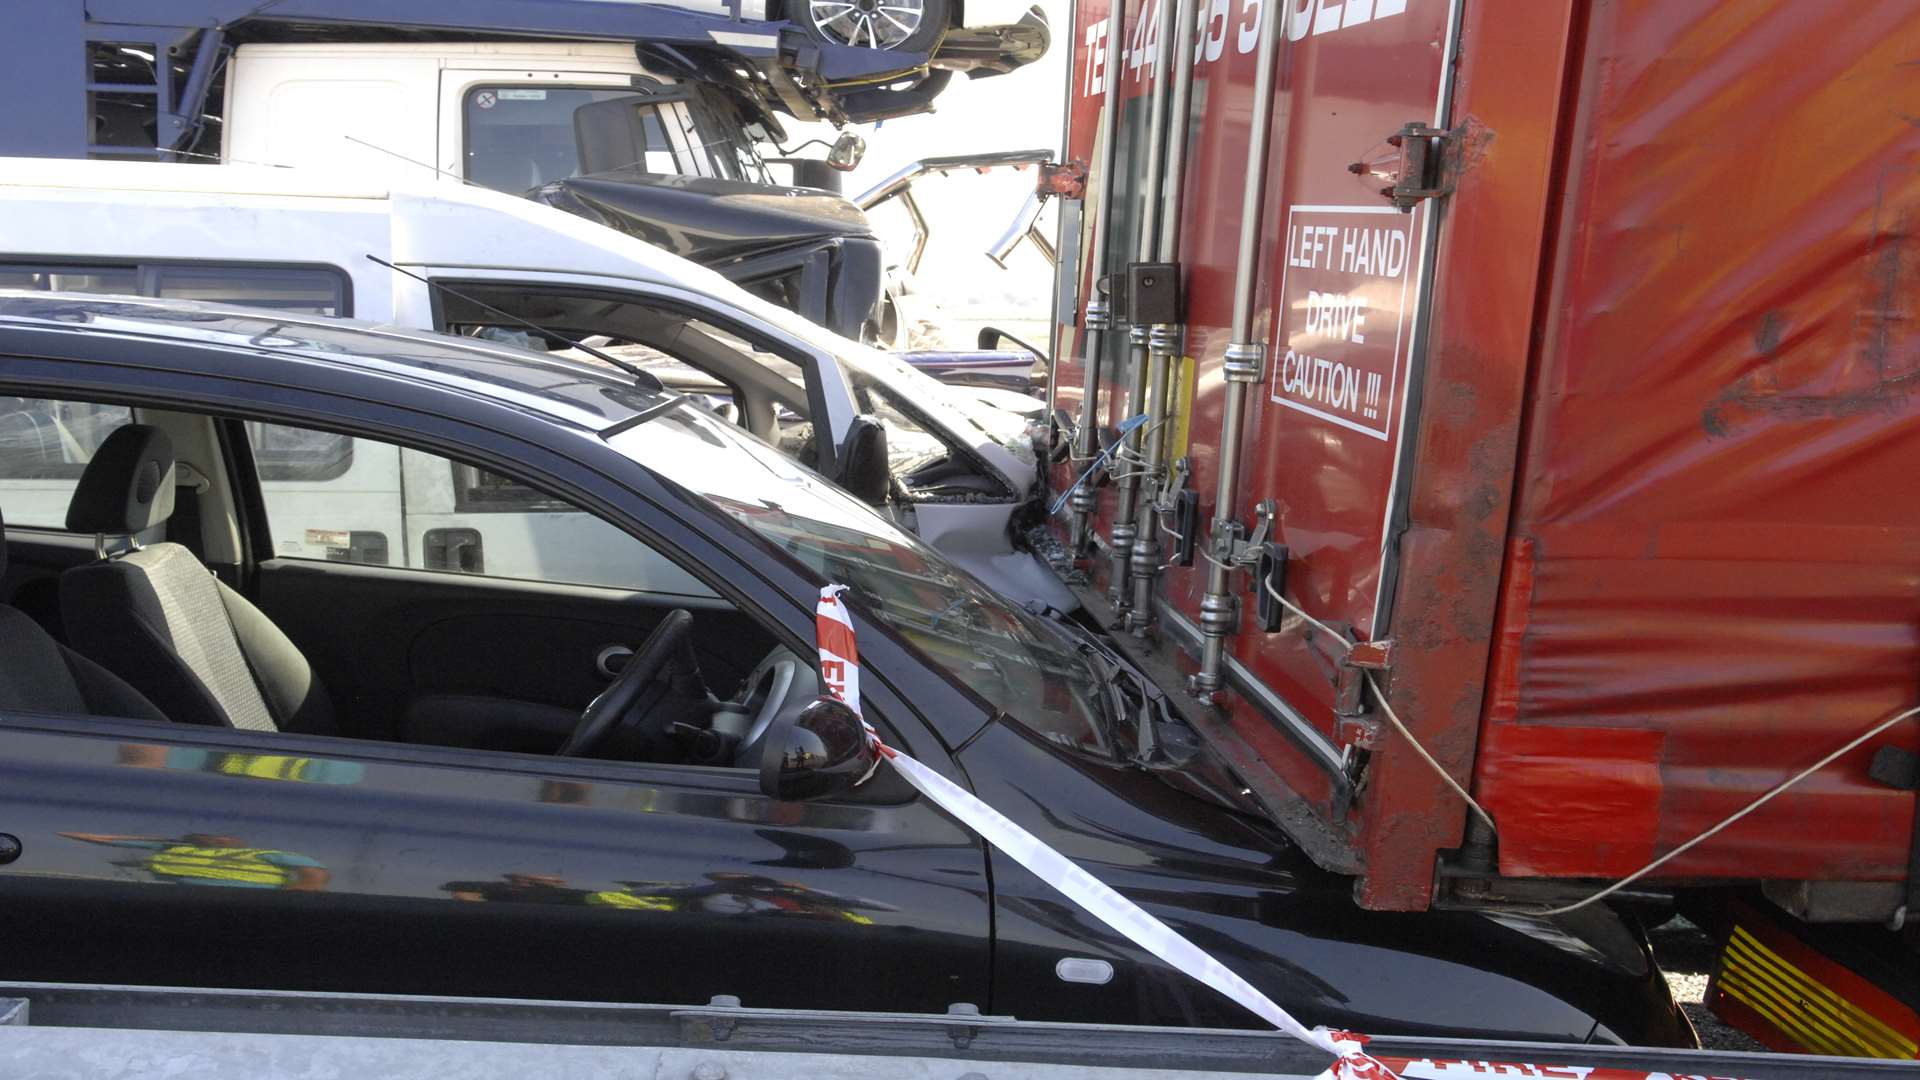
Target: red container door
1394, 338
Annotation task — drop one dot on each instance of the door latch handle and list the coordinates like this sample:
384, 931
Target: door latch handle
611, 659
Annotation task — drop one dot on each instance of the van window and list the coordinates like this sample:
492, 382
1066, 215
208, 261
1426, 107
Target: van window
378, 504
310, 290
44, 447
520, 137
82, 279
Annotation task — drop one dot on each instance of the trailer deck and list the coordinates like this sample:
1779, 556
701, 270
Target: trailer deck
56, 1030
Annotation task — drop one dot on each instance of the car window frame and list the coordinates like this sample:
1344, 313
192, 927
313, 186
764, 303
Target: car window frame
829, 393
931, 716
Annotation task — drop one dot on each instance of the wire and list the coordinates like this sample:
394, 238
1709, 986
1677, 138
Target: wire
1393, 718
1127, 427
1736, 815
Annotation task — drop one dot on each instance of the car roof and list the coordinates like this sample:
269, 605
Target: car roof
576, 392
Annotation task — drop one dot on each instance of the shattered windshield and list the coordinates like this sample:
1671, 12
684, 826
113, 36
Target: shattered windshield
1012, 659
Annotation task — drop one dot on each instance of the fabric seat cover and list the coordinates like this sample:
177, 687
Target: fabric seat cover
38, 674
158, 618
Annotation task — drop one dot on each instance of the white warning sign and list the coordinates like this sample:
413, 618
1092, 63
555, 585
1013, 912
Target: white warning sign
1342, 334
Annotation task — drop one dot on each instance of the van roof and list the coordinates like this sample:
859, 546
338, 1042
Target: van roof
449, 224
165, 176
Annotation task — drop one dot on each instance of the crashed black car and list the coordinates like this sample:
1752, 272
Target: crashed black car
224, 766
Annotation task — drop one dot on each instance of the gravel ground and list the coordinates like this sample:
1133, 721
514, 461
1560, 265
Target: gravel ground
1686, 955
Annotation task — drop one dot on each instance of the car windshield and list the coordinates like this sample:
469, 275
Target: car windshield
1020, 663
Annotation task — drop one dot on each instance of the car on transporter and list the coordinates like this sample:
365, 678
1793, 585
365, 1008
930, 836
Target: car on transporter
297, 773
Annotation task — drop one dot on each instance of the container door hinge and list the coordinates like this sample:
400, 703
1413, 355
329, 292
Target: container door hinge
1420, 173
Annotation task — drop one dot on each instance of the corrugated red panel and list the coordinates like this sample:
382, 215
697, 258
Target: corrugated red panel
1719, 487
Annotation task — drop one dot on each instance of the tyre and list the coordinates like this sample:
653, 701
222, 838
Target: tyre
900, 25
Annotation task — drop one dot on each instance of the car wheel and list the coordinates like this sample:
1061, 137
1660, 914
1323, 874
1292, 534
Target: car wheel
901, 25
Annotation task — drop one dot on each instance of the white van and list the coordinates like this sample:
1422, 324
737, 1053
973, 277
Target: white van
503, 115
472, 262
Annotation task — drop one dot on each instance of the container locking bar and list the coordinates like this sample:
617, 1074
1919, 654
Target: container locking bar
1099, 319
1244, 365
1167, 123
1155, 289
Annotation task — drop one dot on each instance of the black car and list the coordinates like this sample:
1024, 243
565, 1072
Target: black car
236, 751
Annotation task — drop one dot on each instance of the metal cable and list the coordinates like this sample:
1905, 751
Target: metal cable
1853, 744
1393, 718
1756, 804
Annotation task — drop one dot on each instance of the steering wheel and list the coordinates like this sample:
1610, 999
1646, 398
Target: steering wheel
603, 714
782, 683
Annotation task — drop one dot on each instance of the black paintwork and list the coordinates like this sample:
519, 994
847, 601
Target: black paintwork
378, 866
750, 232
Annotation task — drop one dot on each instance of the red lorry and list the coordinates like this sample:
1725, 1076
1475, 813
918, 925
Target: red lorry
1528, 385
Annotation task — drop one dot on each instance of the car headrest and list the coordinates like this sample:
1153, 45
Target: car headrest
128, 486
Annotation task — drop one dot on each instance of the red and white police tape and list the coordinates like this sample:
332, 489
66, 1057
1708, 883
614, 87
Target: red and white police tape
840, 672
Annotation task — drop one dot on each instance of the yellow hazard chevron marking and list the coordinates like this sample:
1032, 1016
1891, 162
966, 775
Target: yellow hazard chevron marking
1802, 1006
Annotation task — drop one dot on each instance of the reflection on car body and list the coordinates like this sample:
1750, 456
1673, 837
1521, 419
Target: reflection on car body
212, 859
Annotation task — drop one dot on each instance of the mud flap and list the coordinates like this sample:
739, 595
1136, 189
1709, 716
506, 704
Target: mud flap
1837, 990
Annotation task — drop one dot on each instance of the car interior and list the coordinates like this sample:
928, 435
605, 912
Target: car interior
141, 579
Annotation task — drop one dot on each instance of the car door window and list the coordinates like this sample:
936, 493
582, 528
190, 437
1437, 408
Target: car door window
44, 447
345, 499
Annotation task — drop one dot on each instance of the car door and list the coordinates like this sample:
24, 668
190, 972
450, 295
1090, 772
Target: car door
177, 853
181, 854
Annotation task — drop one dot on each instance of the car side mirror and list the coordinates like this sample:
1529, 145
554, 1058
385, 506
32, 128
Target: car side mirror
865, 471
847, 151
821, 751
815, 173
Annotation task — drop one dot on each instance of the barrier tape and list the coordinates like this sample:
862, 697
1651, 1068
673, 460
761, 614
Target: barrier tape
840, 672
